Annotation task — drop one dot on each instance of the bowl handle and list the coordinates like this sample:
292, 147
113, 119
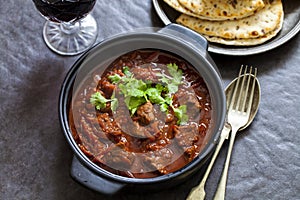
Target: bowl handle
193, 37
86, 177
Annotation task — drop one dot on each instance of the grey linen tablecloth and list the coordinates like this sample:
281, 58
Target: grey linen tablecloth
35, 158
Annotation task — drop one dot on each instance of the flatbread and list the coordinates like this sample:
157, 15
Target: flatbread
246, 42
223, 9
261, 23
177, 6
180, 8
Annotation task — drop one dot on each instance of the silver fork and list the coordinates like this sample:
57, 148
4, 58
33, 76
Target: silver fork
238, 116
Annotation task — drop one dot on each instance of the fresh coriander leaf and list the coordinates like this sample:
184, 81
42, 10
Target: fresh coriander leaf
168, 100
172, 68
155, 95
175, 73
98, 100
164, 107
160, 88
123, 88
165, 79
114, 102
135, 92
133, 103
172, 82
136, 88
181, 114
126, 71
172, 88
115, 78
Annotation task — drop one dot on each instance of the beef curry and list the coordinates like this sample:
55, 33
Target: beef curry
146, 115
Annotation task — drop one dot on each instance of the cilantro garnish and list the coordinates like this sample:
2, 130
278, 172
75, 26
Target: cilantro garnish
180, 113
172, 81
100, 101
137, 92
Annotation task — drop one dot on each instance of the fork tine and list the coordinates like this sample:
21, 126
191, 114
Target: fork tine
252, 92
241, 90
246, 90
233, 97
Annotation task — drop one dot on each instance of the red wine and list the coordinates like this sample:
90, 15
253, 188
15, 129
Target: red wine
64, 10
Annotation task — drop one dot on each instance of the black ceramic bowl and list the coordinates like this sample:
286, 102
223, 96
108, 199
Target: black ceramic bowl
175, 39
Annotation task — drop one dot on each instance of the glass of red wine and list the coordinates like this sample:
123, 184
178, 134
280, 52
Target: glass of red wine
70, 29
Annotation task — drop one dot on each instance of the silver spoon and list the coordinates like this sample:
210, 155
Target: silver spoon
198, 192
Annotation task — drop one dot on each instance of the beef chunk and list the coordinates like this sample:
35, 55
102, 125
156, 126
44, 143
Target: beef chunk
158, 160
186, 135
146, 113
145, 73
107, 88
118, 159
187, 97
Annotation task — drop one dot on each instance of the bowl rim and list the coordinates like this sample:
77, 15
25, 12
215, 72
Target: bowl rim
67, 87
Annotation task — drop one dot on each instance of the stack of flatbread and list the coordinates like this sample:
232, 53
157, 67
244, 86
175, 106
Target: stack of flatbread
231, 22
